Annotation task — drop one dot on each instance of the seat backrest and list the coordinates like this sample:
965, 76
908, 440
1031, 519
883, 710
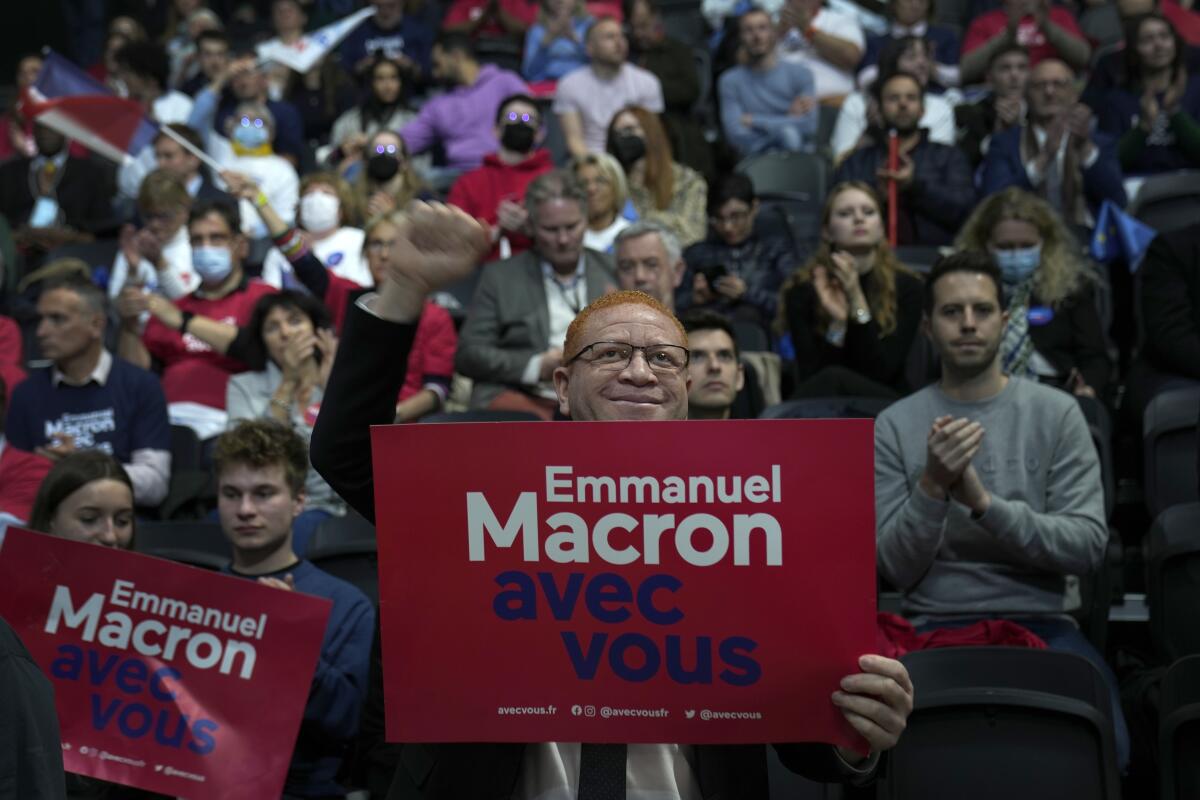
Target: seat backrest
1169, 429
1168, 202
186, 450
1179, 730
351, 533
827, 408
1004, 722
802, 176
1173, 580
197, 542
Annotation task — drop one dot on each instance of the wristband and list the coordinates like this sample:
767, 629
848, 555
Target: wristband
185, 317
260, 201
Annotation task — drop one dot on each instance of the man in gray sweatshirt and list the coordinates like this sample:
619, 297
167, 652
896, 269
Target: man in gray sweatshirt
987, 487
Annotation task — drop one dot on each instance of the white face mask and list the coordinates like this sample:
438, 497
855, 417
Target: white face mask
319, 212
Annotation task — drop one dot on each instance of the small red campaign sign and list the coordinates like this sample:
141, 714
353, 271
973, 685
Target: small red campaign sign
694, 582
166, 677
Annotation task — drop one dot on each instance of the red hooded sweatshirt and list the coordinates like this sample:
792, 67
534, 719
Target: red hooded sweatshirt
480, 191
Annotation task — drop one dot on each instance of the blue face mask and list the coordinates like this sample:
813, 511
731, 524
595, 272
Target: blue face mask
212, 264
251, 137
1017, 265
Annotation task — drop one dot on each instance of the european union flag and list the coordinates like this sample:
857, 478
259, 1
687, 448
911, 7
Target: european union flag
1119, 235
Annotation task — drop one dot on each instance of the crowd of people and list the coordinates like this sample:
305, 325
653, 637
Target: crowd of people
259, 298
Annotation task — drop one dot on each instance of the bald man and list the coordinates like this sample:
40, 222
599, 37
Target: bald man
625, 357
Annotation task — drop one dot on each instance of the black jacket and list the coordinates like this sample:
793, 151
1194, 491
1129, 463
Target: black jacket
1169, 305
362, 391
30, 745
84, 194
1074, 338
941, 195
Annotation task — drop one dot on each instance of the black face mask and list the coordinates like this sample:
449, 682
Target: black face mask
382, 167
517, 137
628, 148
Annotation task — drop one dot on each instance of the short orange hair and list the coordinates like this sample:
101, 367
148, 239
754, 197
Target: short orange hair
628, 297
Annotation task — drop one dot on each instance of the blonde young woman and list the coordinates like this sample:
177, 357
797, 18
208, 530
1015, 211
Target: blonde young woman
607, 193
852, 310
1054, 333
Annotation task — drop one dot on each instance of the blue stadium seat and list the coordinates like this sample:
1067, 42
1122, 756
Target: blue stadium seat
1169, 449
791, 176
827, 408
996, 723
345, 548
1168, 201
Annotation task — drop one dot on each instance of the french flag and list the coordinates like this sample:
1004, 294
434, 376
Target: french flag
78, 106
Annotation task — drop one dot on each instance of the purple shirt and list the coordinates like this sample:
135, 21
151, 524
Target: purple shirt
464, 118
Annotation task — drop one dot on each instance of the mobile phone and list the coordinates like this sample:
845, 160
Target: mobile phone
712, 272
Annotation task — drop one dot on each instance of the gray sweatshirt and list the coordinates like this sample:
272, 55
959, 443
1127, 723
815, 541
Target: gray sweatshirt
1046, 519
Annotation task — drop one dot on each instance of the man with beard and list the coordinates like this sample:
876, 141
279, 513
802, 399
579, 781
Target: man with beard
987, 487
461, 120
495, 192
766, 103
935, 186
625, 358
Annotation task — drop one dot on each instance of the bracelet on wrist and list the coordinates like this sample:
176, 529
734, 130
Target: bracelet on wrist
185, 318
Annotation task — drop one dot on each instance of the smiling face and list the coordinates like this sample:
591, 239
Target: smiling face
717, 375
854, 223
99, 512
588, 391
256, 508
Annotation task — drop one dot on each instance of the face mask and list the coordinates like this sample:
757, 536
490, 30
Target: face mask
517, 138
319, 212
250, 137
382, 167
212, 264
628, 148
1017, 265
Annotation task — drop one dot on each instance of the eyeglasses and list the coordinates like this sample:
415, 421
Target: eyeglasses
389, 149
529, 119
248, 122
614, 356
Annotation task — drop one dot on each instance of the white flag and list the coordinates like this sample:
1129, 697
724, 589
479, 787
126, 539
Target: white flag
311, 48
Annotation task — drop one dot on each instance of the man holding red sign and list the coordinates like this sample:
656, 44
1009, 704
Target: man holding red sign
625, 357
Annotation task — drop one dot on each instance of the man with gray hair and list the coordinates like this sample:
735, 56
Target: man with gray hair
650, 260
512, 339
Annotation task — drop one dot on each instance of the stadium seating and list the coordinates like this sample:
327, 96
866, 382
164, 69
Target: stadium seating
827, 408
1173, 581
345, 548
1169, 449
197, 542
996, 723
1179, 730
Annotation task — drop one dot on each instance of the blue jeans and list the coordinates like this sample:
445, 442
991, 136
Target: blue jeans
1061, 635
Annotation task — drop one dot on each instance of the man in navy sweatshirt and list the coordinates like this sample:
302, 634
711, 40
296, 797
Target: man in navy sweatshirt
260, 468
87, 399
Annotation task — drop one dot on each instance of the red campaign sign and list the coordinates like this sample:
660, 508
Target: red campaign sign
166, 677
693, 582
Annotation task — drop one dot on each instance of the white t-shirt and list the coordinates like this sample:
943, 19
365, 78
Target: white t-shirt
938, 119
602, 241
597, 101
830, 80
177, 280
274, 174
341, 252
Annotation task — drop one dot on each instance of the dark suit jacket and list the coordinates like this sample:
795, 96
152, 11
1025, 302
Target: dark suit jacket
361, 392
1002, 167
1170, 302
84, 194
509, 323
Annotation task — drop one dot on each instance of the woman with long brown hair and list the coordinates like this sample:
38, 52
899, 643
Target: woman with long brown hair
853, 309
662, 190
